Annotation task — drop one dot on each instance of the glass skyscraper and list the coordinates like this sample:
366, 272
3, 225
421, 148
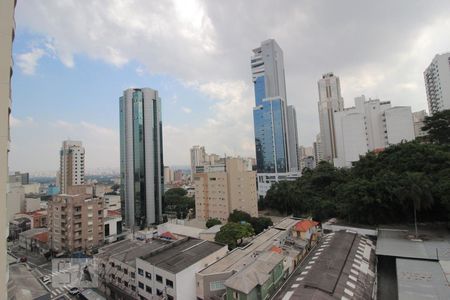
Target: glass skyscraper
141, 157
273, 140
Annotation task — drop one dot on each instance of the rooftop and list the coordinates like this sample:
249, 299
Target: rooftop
432, 244
213, 229
421, 279
32, 232
305, 225
257, 273
237, 259
23, 285
341, 266
180, 230
129, 255
181, 254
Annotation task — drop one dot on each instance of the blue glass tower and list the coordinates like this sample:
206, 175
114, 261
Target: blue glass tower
269, 113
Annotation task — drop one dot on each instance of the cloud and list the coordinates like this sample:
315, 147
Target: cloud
186, 110
101, 144
15, 122
28, 62
207, 45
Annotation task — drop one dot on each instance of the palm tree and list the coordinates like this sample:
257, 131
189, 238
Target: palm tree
415, 187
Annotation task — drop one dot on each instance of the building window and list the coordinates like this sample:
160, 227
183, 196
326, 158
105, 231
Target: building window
119, 279
125, 283
141, 272
148, 289
159, 292
158, 278
169, 283
141, 285
125, 271
216, 286
133, 275
148, 275
169, 297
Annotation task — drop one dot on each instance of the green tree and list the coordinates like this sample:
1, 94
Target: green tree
260, 223
438, 127
239, 216
212, 222
233, 234
415, 189
176, 201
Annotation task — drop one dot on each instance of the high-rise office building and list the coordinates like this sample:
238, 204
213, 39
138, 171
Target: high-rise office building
330, 101
292, 139
7, 29
270, 116
368, 126
71, 165
198, 157
141, 157
437, 83
224, 187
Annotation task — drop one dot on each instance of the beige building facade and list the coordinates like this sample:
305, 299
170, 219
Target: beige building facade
75, 222
71, 170
7, 29
220, 189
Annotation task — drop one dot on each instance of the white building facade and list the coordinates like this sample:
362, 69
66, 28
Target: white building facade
368, 126
437, 83
330, 102
71, 165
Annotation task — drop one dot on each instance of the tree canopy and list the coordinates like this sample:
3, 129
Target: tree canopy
438, 127
388, 187
176, 201
233, 234
212, 222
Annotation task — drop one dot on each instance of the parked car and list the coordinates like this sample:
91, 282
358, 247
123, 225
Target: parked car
74, 291
46, 279
22, 259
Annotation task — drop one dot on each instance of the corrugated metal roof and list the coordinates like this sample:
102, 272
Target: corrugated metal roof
421, 279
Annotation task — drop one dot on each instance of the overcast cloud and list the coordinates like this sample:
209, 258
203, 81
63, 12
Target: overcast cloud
378, 48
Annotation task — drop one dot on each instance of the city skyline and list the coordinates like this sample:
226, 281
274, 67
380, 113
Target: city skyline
64, 84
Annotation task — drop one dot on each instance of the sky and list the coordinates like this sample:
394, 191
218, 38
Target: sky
74, 58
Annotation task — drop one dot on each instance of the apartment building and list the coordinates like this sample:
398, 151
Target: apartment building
71, 169
369, 125
75, 222
170, 272
222, 188
437, 83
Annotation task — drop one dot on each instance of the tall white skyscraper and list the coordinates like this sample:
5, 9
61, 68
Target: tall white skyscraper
198, 158
141, 157
271, 117
437, 83
7, 29
330, 101
71, 165
368, 126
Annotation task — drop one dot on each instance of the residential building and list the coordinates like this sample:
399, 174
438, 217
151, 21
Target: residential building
342, 266
29, 239
330, 102
222, 188
112, 202
15, 200
170, 272
272, 120
259, 280
22, 178
75, 222
198, 157
112, 222
217, 280
437, 83
168, 175
141, 157
71, 167
318, 154
306, 158
7, 32
419, 122
368, 126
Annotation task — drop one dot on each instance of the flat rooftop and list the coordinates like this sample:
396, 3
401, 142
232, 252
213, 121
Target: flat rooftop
239, 257
23, 285
421, 279
181, 254
432, 244
342, 266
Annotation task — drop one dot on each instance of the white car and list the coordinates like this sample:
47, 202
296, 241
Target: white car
46, 279
74, 291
